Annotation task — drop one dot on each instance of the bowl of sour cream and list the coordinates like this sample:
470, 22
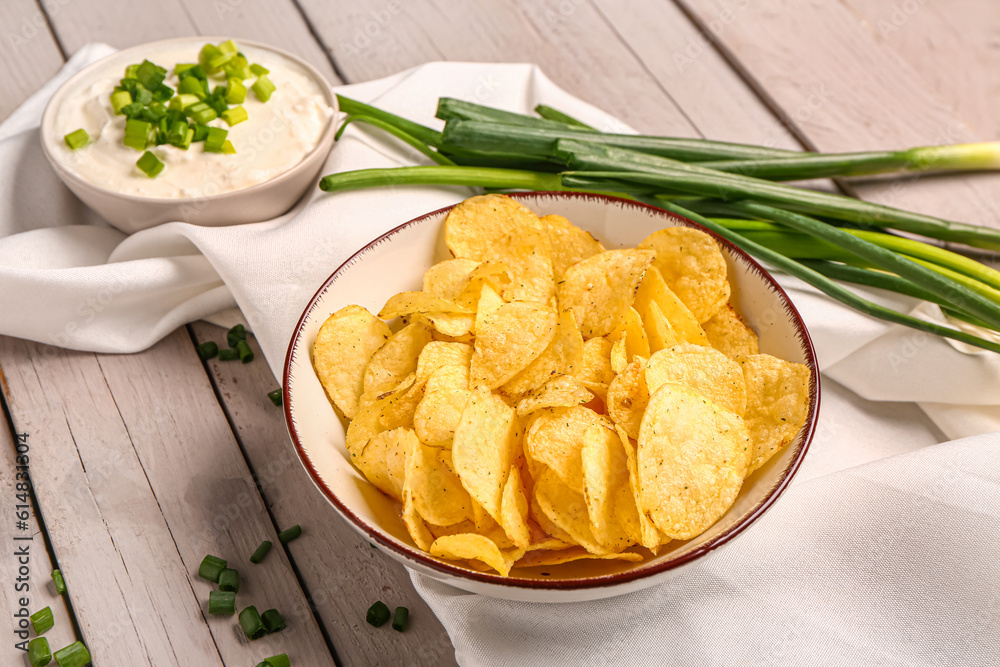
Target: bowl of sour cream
280, 147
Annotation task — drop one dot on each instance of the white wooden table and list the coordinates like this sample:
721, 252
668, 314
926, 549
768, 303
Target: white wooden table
144, 463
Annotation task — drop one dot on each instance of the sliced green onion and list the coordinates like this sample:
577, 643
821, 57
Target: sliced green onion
280, 660
208, 350
137, 133
181, 68
237, 68
222, 603
258, 70
150, 75
201, 113
200, 132
377, 614
74, 655
208, 53
77, 139
261, 551
228, 46
59, 582
250, 621
149, 164
234, 115
131, 70
273, 621
183, 101
210, 568
263, 88
275, 397
154, 112
42, 621
119, 99
190, 85
236, 334
178, 130
549, 113
243, 349
236, 92
228, 148
215, 139
289, 534
162, 93
228, 355
39, 653
133, 110
141, 94
400, 619
229, 580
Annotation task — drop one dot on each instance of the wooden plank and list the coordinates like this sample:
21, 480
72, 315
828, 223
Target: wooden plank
339, 568
29, 55
141, 478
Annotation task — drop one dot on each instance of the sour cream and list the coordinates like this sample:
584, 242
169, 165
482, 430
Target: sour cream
277, 135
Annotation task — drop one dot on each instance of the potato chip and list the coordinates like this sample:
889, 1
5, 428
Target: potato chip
703, 369
777, 404
446, 279
437, 492
653, 289
343, 347
367, 423
540, 558
632, 514
693, 267
510, 339
595, 371
567, 509
485, 446
488, 304
400, 409
728, 334
474, 547
555, 439
562, 357
436, 354
599, 290
514, 510
627, 398
415, 526
659, 331
605, 471
636, 340
449, 324
569, 243
495, 274
692, 458
381, 460
397, 358
407, 303
437, 415
562, 391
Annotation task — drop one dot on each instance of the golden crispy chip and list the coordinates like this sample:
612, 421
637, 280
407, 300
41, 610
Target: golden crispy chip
510, 339
555, 439
692, 459
631, 514
437, 415
636, 340
400, 410
693, 267
474, 547
494, 274
619, 357
380, 460
567, 509
446, 279
367, 423
605, 471
595, 371
562, 391
654, 289
407, 303
514, 510
415, 525
437, 492
344, 344
449, 324
728, 334
397, 358
562, 357
540, 558
658, 329
777, 403
437, 354
569, 243
599, 290
704, 369
484, 448
488, 304
627, 398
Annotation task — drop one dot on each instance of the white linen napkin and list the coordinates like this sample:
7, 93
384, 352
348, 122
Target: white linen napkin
881, 552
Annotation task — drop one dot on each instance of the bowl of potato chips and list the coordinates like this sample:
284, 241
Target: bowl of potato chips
550, 396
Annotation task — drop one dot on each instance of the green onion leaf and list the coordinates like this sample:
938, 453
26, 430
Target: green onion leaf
250, 621
273, 621
228, 355
208, 350
39, 654
222, 603
261, 551
234, 115
149, 164
41, 620
210, 568
263, 88
229, 580
289, 534
216, 139
59, 581
400, 619
77, 139
74, 655
377, 614
275, 397
280, 660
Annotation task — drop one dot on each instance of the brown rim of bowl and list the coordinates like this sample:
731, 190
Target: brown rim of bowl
582, 583
324, 86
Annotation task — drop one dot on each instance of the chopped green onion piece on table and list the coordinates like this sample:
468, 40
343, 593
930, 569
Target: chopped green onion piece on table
273, 621
74, 655
263, 88
280, 660
42, 621
228, 355
210, 568
234, 115
250, 621
236, 334
222, 603
149, 164
208, 350
275, 397
377, 614
400, 619
229, 580
39, 653
59, 581
260, 552
77, 139
244, 351
289, 534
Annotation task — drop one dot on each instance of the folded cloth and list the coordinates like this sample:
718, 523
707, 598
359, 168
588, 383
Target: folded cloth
879, 552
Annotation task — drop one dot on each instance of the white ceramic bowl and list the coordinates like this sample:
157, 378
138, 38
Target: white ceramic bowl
131, 213
397, 262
